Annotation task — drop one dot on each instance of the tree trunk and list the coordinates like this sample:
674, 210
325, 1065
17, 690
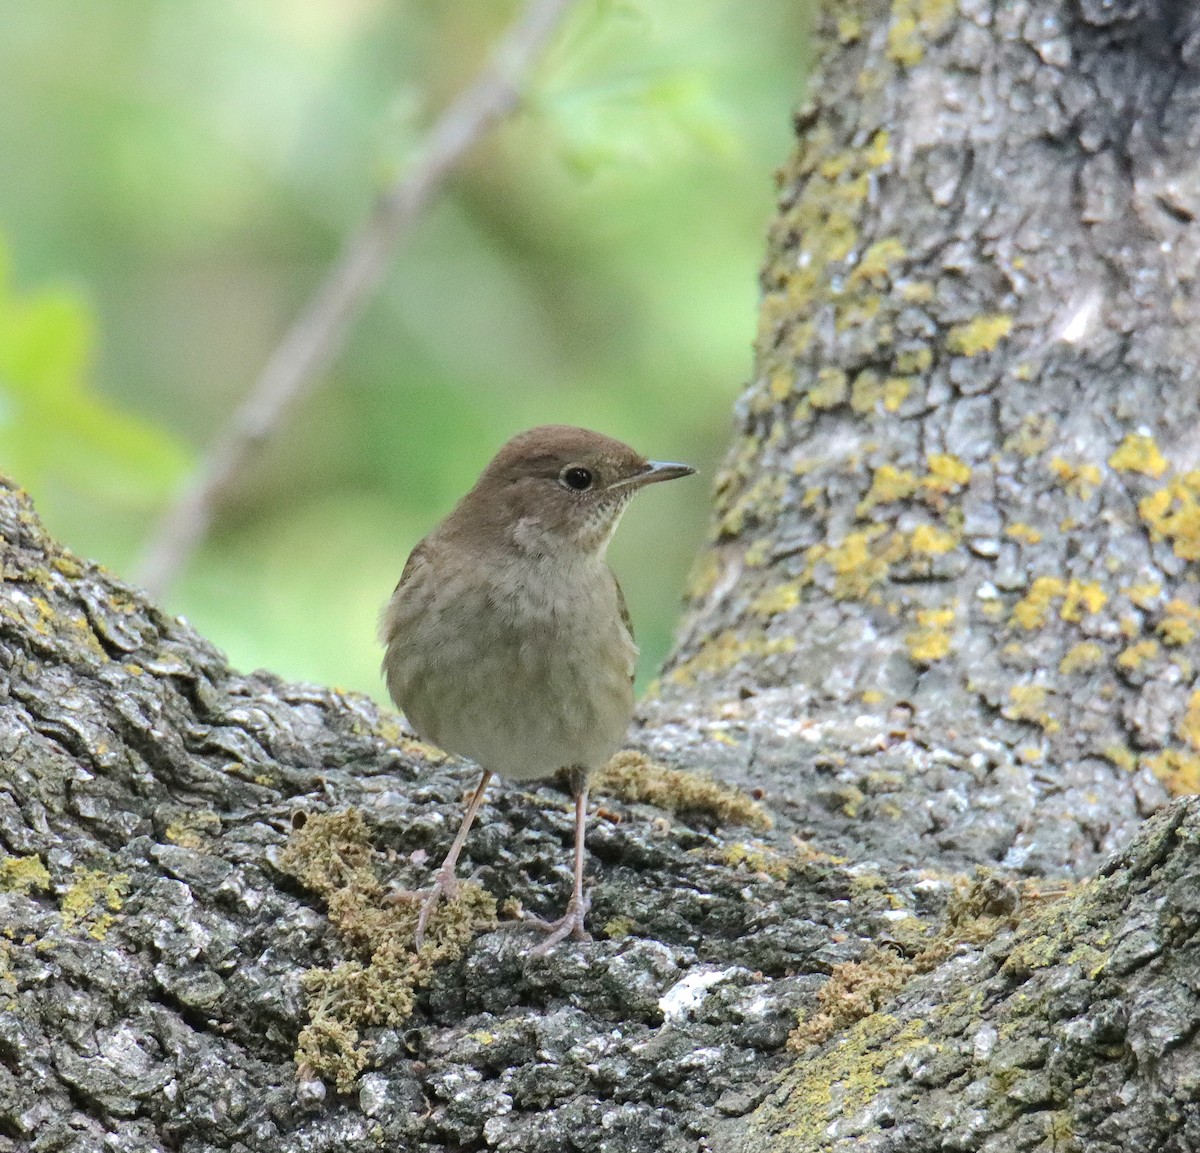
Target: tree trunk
949, 618
962, 513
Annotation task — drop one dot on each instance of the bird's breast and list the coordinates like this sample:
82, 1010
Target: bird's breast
526, 668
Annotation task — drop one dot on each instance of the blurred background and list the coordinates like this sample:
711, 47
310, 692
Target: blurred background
177, 176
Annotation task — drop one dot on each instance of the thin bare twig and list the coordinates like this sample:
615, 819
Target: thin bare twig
319, 332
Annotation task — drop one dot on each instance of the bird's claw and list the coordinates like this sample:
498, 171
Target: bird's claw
570, 924
444, 885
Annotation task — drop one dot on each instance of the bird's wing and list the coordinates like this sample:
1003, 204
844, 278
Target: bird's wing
389, 619
627, 620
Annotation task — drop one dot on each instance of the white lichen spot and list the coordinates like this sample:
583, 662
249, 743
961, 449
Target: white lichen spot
682, 998
985, 1042
1081, 317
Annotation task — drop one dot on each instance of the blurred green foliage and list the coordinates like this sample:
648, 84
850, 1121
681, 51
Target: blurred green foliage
181, 172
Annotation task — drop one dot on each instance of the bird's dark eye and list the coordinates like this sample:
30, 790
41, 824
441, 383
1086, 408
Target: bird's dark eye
577, 477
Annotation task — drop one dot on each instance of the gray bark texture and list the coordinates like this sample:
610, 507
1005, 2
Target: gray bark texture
946, 634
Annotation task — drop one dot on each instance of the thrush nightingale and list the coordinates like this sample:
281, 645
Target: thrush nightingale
507, 639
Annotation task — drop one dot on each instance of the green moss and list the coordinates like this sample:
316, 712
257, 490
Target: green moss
855, 990
331, 854
634, 778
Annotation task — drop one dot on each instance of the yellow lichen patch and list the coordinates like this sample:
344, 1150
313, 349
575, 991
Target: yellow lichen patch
850, 1072
756, 858
979, 335
725, 651
634, 778
193, 828
929, 540
1138, 453
1025, 533
857, 567
1080, 480
875, 267
867, 392
780, 386
914, 361
849, 28
23, 874
931, 641
705, 573
1173, 513
758, 505
1028, 703
1145, 596
1179, 623
887, 484
1179, 771
1137, 655
1082, 597
92, 899
879, 152
758, 553
779, 599
946, 473
1120, 755
895, 392
1033, 609
332, 855
1189, 726
1081, 658
832, 388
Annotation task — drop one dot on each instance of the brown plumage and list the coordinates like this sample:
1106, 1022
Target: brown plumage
507, 639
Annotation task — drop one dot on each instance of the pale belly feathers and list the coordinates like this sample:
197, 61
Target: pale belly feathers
523, 702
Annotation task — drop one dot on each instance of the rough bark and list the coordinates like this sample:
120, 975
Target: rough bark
962, 512
927, 628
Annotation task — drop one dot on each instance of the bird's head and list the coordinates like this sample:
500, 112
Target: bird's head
557, 488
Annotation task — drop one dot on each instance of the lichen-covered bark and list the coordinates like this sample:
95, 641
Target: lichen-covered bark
961, 517
167, 935
950, 617
163, 917
1077, 1033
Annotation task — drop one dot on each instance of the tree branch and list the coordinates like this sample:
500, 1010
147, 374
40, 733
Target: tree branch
318, 333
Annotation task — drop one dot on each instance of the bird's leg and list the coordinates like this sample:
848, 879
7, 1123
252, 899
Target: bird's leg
445, 882
570, 924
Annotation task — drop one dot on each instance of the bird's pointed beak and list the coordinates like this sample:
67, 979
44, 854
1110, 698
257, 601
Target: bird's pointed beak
657, 470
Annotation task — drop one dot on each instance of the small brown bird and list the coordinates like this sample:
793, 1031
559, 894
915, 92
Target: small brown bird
507, 639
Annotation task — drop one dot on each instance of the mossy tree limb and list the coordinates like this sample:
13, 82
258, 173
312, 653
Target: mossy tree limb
954, 553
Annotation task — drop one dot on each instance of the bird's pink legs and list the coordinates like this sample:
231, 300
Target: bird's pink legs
570, 924
445, 882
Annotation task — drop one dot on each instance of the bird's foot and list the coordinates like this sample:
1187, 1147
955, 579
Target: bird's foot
570, 924
445, 884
